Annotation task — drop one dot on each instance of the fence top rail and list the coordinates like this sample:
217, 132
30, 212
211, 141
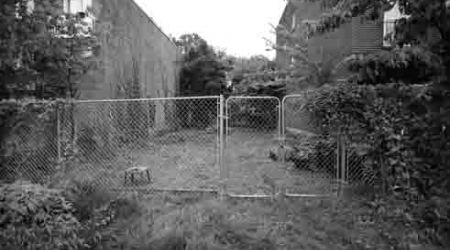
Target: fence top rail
305, 93
293, 96
252, 97
146, 99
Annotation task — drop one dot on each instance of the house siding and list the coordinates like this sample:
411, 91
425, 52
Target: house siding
367, 36
355, 37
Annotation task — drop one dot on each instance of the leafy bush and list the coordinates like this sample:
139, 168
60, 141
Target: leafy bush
28, 139
86, 197
257, 113
34, 217
410, 65
102, 214
401, 132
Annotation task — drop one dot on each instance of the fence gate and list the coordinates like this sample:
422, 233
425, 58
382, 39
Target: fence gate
261, 146
313, 158
252, 132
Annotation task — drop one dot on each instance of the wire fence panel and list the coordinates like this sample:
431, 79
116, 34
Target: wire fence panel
163, 143
310, 154
268, 146
150, 143
359, 172
252, 132
29, 140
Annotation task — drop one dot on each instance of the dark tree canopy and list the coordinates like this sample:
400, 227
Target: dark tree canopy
204, 69
42, 49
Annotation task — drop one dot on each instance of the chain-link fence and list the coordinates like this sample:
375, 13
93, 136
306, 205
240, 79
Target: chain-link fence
267, 146
312, 156
165, 143
28, 140
359, 172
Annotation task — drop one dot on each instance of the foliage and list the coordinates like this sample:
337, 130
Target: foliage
307, 73
262, 83
99, 211
28, 138
203, 71
410, 65
426, 27
403, 137
42, 49
254, 64
256, 112
34, 217
43, 54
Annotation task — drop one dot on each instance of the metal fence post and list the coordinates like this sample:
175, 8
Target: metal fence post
223, 175
58, 132
227, 129
341, 163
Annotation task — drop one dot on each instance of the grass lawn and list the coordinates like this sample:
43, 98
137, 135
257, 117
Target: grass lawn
187, 222
188, 159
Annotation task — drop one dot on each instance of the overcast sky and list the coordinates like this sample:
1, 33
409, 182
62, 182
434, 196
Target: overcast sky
238, 26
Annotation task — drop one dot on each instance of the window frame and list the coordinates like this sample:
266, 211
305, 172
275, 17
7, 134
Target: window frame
391, 17
84, 4
84, 14
388, 32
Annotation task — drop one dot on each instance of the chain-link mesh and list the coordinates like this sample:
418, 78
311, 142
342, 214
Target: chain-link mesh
29, 141
252, 133
155, 143
149, 143
174, 144
310, 154
359, 171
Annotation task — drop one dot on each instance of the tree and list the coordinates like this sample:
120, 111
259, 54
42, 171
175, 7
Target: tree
203, 71
43, 54
303, 72
426, 32
42, 49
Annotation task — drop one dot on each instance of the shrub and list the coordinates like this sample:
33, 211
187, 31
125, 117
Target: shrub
401, 131
34, 217
28, 139
103, 215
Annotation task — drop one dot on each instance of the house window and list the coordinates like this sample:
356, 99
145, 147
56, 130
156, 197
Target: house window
388, 32
29, 6
76, 6
80, 8
390, 17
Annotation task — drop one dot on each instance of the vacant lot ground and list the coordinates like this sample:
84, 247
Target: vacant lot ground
186, 222
188, 159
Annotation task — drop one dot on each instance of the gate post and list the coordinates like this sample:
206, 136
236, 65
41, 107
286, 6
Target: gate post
58, 132
341, 163
223, 175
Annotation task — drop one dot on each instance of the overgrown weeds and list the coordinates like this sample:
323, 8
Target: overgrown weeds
401, 132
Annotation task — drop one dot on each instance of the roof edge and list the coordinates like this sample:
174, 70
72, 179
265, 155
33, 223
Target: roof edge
152, 21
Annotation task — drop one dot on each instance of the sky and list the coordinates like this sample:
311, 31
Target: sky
236, 26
